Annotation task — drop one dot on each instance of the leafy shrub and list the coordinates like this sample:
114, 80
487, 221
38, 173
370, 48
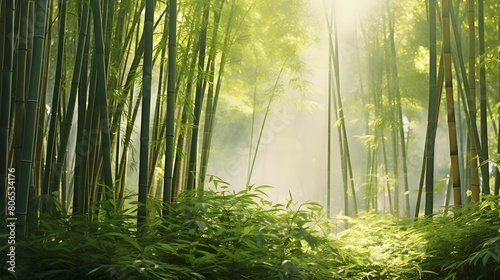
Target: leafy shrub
224, 234
220, 234
464, 245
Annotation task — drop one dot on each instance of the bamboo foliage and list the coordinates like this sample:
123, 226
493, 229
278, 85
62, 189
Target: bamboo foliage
206, 60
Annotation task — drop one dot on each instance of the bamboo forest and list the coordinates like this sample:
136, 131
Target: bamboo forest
250, 139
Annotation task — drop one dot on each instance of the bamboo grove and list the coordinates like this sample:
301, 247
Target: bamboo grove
400, 50
82, 81
93, 91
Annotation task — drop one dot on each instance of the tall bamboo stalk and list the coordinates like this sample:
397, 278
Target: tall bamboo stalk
450, 102
172, 62
21, 82
472, 94
193, 153
329, 129
68, 118
497, 171
431, 124
103, 101
80, 190
31, 119
399, 111
145, 114
483, 157
51, 139
5, 101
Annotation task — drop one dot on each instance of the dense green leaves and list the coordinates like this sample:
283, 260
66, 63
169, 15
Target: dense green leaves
224, 234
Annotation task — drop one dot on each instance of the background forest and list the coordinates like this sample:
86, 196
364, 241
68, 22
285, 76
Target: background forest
124, 126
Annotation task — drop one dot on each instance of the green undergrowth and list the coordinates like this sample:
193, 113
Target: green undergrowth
224, 234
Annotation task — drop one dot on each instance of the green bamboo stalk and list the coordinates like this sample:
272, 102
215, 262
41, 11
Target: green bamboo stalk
7, 69
172, 62
399, 111
257, 145
51, 139
21, 83
2, 32
40, 139
483, 157
146, 112
497, 171
329, 137
103, 101
431, 122
182, 156
158, 126
331, 97
341, 117
472, 94
208, 125
31, 119
80, 193
193, 153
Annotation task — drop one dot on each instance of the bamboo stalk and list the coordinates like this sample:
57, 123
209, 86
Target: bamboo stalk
472, 94
146, 112
483, 156
450, 103
497, 171
51, 141
31, 119
5, 101
103, 101
193, 153
172, 61
431, 124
